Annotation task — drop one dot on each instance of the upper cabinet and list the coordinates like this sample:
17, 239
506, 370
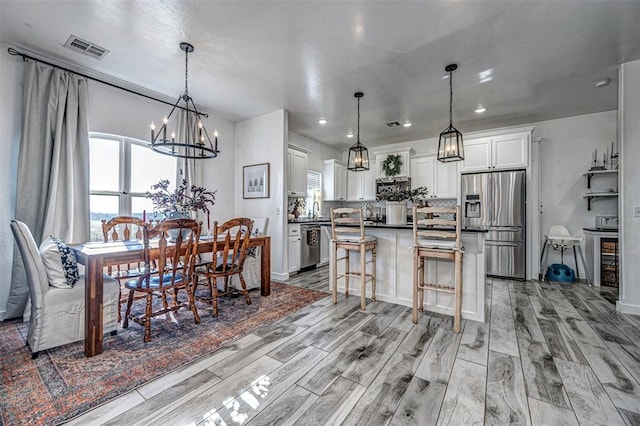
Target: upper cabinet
361, 186
507, 151
297, 168
334, 181
440, 178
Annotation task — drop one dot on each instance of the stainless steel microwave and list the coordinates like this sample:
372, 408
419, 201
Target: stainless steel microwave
397, 182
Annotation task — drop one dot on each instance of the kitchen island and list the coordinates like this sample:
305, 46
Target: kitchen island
394, 269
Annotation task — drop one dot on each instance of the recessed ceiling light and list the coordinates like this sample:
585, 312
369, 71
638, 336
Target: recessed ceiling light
480, 110
407, 124
323, 121
350, 135
602, 83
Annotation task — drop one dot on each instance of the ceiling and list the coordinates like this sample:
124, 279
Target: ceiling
524, 61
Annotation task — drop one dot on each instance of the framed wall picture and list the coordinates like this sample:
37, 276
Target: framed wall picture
255, 181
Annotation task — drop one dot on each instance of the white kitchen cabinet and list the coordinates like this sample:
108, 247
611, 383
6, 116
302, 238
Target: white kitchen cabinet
297, 168
294, 247
496, 152
441, 178
334, 181
423, 172
361, 186
447, 180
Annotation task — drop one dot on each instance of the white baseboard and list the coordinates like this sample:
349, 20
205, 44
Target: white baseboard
626, 308
275, 276
2, 314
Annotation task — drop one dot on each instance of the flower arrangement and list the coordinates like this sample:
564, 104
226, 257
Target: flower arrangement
183, 198
400, 194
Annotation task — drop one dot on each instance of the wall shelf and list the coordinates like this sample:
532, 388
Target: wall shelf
591, 196
592, 173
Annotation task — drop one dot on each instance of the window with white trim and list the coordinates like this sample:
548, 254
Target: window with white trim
121, 171
314, 192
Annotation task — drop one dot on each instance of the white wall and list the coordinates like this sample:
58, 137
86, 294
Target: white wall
10, 130
263, 139
110, 111
318, 151
566, 153
629, 132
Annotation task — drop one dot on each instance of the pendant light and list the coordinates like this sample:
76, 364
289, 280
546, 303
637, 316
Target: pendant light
358, 153
189, 138
450, 147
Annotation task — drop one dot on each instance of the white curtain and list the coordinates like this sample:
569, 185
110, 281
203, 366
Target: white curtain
190, 169
53, 170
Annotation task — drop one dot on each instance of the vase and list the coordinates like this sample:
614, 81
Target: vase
396, 212
173, 233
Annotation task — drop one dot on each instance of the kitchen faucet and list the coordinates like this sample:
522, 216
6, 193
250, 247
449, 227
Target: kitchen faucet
315, 212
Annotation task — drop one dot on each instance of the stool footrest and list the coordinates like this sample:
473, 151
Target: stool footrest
355, 275
437, 287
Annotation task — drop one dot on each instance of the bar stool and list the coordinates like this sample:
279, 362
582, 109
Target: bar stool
561, 239
433, 238
347, 233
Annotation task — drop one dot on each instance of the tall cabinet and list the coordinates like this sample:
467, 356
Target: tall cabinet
297, 169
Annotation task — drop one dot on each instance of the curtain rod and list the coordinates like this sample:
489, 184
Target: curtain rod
14, 52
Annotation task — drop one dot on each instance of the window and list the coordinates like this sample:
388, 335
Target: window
121, 171
314, 192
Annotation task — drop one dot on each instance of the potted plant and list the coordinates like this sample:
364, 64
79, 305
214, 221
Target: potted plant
181, 201
396, 200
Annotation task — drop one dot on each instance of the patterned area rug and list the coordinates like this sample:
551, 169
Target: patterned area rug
62, 383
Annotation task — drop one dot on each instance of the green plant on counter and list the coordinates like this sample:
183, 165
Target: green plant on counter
398, 194
391, 165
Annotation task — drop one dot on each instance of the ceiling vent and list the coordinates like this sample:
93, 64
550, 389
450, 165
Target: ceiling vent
79, 45
393, 124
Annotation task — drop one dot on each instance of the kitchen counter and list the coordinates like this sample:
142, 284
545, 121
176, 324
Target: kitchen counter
382, 225
394, 270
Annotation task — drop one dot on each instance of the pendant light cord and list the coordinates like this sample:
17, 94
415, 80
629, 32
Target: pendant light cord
358, 121
450, 98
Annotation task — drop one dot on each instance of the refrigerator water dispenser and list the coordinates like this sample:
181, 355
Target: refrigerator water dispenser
472, 207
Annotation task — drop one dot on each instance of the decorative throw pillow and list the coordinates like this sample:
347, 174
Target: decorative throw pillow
252, 251
60, 262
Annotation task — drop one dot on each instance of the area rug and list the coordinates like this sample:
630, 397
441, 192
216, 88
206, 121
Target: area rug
62, 383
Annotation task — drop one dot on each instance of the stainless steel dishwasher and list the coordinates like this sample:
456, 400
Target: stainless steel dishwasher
310, 245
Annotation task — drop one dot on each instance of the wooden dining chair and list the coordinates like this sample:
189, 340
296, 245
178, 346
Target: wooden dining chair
123, 228
230, 246
175, 265
437, 235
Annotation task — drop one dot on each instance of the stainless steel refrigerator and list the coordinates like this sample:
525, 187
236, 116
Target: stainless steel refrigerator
496, 202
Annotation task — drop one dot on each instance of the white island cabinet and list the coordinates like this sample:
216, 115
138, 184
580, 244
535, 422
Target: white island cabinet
394, 266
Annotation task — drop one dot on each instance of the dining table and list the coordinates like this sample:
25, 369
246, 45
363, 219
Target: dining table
95, 256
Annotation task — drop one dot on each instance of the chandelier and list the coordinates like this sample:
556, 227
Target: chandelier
188, 138
358, 153
450, 146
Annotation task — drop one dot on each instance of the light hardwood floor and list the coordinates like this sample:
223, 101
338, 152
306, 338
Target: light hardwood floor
550, 354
